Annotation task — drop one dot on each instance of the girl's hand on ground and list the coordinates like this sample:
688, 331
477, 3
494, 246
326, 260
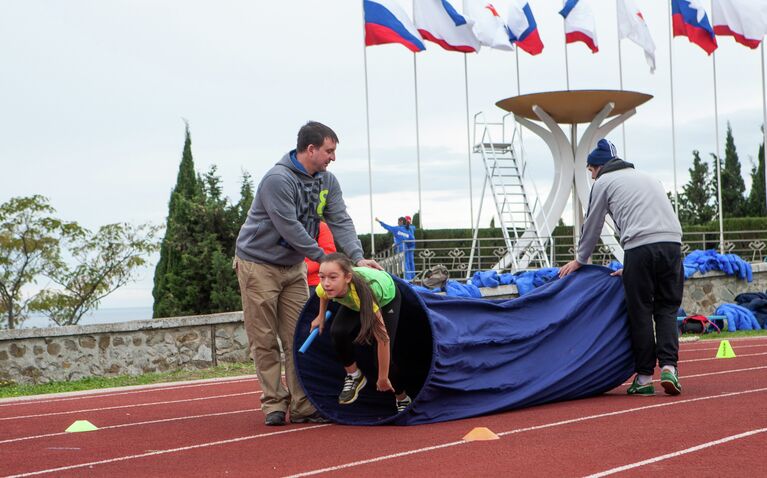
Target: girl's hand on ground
384, 385
317, 323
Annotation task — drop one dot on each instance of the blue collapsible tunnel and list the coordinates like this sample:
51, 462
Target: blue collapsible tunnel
463, 357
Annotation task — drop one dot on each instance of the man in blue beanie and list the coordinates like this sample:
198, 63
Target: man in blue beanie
653, 276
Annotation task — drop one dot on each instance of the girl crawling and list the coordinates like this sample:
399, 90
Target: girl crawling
370, 305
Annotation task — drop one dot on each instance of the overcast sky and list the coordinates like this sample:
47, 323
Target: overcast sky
92, 96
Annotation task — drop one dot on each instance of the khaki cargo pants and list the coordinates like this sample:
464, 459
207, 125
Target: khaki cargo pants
272, 299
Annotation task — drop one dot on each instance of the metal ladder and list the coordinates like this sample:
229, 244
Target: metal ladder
504, 172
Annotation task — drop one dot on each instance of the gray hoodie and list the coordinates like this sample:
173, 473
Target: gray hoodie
283, 220
638, 205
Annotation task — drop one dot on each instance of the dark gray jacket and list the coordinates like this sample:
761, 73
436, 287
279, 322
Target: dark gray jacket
638, 205
283, 220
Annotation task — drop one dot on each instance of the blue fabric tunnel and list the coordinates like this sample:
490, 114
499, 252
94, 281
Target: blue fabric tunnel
463, 357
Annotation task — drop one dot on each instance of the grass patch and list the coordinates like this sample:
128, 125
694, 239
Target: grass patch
10, 389
730, 335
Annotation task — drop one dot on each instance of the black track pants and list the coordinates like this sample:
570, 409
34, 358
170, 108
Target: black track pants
653, 278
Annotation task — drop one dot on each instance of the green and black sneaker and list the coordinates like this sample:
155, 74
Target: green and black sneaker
670, 382
646, 390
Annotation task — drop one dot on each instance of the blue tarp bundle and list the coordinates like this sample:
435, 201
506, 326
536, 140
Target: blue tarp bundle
738, 318
525, 281
458, 289
756, 302
462, 357
710, 260
453, 288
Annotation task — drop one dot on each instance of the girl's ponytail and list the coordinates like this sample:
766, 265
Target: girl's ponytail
370, 326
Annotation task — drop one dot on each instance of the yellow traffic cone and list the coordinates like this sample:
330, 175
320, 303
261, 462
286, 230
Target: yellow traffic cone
725, 350
479, 434
81, 426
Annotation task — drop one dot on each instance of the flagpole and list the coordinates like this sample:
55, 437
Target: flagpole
567, 64
417, 136
367, 126
468, 135
718, 161
417, 143
671, 88
620, 79
519, 92
764, 131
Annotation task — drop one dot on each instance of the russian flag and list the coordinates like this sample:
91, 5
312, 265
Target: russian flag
523, 31
437, 21
744, 20
387, 22
579, 24
690, 20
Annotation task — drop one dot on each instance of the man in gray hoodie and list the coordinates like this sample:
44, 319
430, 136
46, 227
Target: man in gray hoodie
653, 276
279, 232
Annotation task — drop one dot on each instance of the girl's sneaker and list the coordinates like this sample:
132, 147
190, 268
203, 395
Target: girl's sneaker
351, 390
403, 404
646, 390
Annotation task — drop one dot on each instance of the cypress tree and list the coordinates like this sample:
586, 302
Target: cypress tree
733, 186
194, 274
246, 200
757, 206
684, 214
226, 220
175, 292
695, 201
216, 207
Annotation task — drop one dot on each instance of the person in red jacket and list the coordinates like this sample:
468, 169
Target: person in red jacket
327, 244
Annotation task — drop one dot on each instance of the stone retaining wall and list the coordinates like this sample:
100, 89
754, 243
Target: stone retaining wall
703, 294
136, 347
126, 348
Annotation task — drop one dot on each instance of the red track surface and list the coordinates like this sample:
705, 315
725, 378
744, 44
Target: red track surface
717, 427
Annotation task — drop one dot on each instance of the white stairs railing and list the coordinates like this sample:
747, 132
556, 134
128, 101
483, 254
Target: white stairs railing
504, 173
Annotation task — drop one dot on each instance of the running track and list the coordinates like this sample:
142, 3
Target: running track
717, 427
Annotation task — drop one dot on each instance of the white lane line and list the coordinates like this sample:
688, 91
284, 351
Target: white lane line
714, 358
716, 347
521, 430
148, 404
685, 377
163, 452
123, 425
721, 372
678, 453
84, 394
740, 339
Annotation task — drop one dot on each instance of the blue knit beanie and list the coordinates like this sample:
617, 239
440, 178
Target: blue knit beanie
604, 152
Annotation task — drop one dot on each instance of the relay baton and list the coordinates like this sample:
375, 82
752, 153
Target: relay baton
313, 335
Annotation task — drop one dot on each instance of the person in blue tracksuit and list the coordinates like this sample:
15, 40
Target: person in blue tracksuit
402, 237
410, 249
